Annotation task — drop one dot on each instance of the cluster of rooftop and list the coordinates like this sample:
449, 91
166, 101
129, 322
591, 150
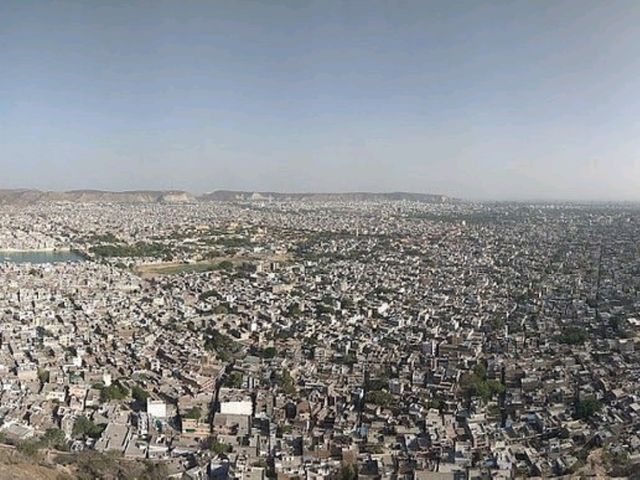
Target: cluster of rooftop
296, 339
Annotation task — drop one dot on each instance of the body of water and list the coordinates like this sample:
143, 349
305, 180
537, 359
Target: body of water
39, 257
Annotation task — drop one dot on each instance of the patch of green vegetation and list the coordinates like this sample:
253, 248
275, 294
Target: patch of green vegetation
379, 397
234, 380
54, 438
384, 291
572, 336
209, 294
325, 309
587, 408
497, 322
139, 249
283, 430
220, 447
477, 385
286, 383
347, 359
246, 267
194, 413
230, 242
224, 346
310, 342
347, 303
115, 391
294, 310
267, 353
139, 394
224, 265
83, 427
43, 375
348, 472
377, 383
216, 447
101, 238
29, 448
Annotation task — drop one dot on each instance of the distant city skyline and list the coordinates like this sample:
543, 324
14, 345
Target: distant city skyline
474, 100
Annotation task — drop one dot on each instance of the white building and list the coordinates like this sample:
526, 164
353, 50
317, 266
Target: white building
156, 408
235, 402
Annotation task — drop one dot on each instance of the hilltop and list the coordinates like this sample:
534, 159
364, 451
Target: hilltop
231, 195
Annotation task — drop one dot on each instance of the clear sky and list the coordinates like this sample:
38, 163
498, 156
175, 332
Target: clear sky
493, 99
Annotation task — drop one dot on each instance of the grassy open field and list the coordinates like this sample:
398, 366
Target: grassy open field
213, 264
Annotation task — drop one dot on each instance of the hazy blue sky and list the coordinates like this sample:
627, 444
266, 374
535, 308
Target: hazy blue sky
502, 99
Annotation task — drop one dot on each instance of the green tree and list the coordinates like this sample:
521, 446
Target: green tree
573, 336
269, 352
43, 375
234, 380
115, 391
224, 346
55, 438
348, 472
480, 371
225, 265
209, 294
294, 310
379, 397
286, 383
587, 408
194, 413
476, 385
83, 427
219, 447
347, 359
139, 394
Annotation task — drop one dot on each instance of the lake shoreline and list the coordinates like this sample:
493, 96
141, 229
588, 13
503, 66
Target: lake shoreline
35, 250
41, 256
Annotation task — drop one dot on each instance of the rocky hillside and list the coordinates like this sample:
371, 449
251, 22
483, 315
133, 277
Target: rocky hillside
25, 197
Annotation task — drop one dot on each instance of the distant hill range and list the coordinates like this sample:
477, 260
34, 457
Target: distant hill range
26, 197
230, 196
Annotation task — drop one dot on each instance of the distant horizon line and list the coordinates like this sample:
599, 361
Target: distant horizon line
234, 190
195, 193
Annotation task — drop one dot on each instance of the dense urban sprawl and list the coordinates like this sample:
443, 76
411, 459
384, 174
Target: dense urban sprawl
380, 340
